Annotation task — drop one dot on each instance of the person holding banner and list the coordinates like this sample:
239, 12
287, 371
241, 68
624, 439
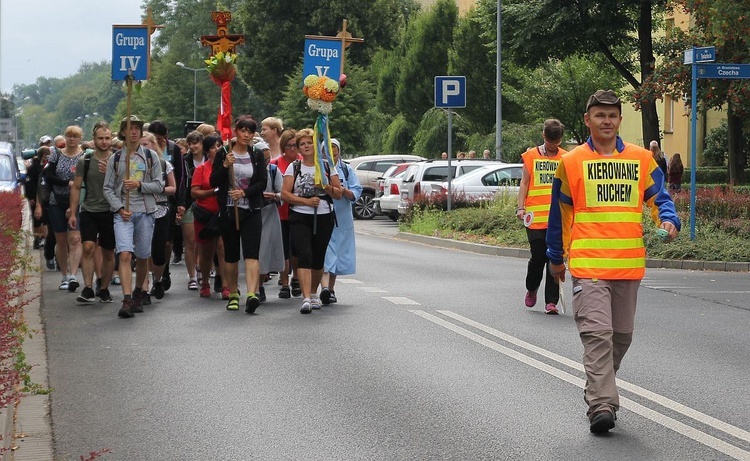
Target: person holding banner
311, 214
539, 165
240, 175
131, 183
595, 220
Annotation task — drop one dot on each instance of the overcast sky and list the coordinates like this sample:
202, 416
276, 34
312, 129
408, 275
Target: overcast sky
51, 38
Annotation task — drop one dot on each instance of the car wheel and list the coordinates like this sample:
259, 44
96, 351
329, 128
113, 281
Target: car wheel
364, 208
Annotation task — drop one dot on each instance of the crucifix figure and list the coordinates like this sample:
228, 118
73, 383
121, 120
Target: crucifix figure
222, 41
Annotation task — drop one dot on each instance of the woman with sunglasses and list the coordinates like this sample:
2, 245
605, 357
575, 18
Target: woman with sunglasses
288, 155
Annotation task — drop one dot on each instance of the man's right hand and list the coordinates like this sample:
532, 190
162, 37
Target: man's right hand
125, 215
558, 272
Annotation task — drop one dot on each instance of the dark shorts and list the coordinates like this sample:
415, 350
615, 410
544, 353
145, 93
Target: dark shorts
98, 227
57, 219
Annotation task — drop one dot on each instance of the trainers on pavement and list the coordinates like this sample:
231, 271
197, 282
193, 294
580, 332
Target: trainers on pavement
104, 296
157, 291
315, 302
205, 290
145, 298
284, 293
550, 309
306, 307
87, 296
325, 295
530, 299
296, 290
50, 264
252, 303
126, 311
64, 284
234, 302
333, 298
224, 293
601, 422
193, 285
116, 280
73, 284
137, 304
262, 295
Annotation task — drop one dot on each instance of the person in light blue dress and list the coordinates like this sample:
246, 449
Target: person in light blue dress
341, 256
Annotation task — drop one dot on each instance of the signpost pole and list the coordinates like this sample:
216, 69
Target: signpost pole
693, 141
450, 154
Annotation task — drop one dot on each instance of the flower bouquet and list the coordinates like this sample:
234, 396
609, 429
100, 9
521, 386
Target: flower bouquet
221, 67
321, 92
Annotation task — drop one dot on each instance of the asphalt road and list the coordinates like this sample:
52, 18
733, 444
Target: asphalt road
429, 354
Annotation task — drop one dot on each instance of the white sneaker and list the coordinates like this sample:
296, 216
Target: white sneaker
315, 302
64, 284
306, 307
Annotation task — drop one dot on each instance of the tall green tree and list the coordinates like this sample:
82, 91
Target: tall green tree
724, 24
621, 31
428, 39
275, 33
560, 88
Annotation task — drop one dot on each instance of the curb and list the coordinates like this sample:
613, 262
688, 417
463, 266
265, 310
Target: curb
28, 421
491, 250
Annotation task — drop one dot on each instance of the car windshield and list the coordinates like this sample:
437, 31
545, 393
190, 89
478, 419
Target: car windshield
6, 172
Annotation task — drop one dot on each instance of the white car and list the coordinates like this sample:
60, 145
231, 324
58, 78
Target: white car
387, 203
484, 182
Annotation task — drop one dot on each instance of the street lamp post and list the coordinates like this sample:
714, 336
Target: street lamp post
195, 84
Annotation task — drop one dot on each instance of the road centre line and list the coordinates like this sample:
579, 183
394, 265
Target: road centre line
401, 300
666, 421
645, 393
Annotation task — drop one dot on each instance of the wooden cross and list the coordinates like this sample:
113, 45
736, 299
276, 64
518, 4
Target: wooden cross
346, 39
149, 21
222, 41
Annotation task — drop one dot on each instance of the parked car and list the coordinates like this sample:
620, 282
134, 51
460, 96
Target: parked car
419, 178
10, 177
369, 168
484, 182
389, 193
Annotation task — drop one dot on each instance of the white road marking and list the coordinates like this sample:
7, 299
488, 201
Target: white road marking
645, 393
681, 428
372, 290
343, 280
401, 300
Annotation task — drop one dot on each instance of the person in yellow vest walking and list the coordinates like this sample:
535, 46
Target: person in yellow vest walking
597, 206
539, 166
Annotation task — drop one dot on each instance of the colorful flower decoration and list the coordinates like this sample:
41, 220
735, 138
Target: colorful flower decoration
221, 66
320, 92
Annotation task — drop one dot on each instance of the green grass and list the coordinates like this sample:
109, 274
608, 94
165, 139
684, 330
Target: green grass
719, 238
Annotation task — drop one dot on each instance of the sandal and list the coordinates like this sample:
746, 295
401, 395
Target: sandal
234, 303
193, 285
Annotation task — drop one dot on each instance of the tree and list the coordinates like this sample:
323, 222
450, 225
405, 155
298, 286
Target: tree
560, 88
726, 25
534, 31
275, 33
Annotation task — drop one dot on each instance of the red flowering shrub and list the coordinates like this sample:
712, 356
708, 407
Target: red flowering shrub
13, 370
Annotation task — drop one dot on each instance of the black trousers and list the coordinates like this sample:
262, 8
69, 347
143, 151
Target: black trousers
538, 267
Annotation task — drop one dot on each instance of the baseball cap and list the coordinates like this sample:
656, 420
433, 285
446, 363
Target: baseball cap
44, 140
604, 98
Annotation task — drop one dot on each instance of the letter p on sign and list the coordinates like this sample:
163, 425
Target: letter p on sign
450, 92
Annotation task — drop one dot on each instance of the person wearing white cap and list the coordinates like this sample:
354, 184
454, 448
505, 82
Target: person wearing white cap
341, 255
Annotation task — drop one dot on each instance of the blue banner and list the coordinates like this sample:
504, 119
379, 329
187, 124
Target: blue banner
322, 57
131, 46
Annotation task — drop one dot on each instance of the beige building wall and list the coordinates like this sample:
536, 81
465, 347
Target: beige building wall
463, 5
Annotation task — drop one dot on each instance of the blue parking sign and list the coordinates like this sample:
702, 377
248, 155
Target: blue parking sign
131, 47
450, 92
